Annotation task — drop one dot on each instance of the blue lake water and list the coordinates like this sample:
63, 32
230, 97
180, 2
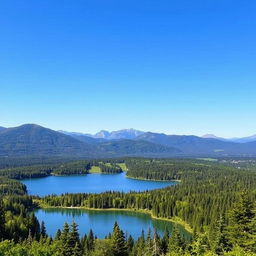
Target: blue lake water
90, 183
101, 222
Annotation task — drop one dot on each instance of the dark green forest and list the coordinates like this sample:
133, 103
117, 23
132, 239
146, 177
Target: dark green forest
216, 199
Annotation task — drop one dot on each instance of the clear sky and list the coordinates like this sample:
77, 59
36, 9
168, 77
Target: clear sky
173, 66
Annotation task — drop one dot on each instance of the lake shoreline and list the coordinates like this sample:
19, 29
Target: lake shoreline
175, 220
84, 174
140, 178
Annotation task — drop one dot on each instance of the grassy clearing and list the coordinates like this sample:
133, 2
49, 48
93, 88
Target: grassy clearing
123, 166
95, 169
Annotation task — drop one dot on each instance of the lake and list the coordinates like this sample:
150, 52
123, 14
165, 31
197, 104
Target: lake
90, 183
101, 222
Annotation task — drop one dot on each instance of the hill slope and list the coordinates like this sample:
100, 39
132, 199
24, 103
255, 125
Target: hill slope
137, 148
196, 146
35, 140
30, 139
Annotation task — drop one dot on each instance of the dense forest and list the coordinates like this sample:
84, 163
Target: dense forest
64, 168
214, 198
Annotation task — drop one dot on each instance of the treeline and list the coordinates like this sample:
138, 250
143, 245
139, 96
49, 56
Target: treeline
172, 169
38, 171
236, 238
9, 186
109, 168
66, 168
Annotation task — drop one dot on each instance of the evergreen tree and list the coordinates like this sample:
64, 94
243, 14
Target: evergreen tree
130, 244
149, 244
200, 245
118, 240
176, 243
58, 235
243, 229
66, 249
156, 248
90, 241
43, 230
73, 236
221, 242
165, 241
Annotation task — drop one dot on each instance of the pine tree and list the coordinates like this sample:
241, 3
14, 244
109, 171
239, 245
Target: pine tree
138, 249
200, 245
43, 230
149, 244
165, 241
58, 235
243, 224
156, 249
130, 244
118, 239
176, 244
221, 242
74, 235
90, 241
66, 250
77, 250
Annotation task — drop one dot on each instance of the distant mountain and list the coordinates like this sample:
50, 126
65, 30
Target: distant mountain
101, 135
245, 139
83, 137
30, 139
35, 140
137, 148
194, 146
212, 136
2, 128
129, 134
238, 140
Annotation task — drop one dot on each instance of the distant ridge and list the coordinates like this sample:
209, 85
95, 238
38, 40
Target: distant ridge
116, 135
245, 139
133, 134
193, 146
2, 128
32, 139
35, 140
212, 136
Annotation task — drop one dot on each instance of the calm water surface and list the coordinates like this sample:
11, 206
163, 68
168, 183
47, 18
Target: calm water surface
91, 183
101, 222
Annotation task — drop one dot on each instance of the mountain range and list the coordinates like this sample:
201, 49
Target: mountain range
128, 134
35, 140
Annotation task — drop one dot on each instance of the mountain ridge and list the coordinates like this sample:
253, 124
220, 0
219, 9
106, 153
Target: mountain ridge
35, 140
32, 139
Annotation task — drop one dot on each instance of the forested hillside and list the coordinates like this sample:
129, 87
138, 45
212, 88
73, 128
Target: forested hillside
216, 200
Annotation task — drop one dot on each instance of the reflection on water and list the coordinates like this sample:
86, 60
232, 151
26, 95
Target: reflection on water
101, 222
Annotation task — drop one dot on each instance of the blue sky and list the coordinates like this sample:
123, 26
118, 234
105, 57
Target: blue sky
179, 67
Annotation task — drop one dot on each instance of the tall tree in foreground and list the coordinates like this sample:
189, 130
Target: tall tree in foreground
176, 243
221, 243
119, 243
243, 224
